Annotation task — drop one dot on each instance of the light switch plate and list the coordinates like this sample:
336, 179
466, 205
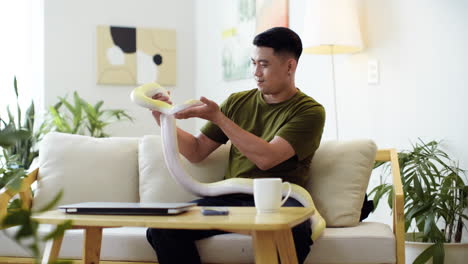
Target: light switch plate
373, 72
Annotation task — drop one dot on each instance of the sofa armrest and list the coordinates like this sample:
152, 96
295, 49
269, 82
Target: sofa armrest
24, 192
398, 201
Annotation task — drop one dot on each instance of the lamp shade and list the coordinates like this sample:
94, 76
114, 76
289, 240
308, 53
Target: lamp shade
331, 26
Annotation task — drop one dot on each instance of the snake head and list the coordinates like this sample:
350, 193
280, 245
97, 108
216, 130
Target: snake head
143, 96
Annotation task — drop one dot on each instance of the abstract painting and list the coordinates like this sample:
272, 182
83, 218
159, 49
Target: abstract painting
237, 40
130, 55
271, 13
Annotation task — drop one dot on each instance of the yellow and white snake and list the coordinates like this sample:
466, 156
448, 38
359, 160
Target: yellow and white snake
142, 96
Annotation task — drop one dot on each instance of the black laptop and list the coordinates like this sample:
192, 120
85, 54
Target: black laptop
116, 208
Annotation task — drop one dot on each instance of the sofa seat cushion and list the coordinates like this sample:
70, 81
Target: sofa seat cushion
373, 241
8, 247
368, 242
123, 243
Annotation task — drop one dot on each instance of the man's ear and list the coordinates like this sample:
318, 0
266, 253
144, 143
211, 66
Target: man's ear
292, 64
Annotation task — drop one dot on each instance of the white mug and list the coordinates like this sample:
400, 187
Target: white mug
268, 193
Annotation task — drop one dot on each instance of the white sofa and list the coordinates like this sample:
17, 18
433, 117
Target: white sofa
133, 170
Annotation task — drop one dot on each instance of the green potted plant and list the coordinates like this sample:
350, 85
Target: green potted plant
436, 199
77, 116
20, 124
26, 234
18, 148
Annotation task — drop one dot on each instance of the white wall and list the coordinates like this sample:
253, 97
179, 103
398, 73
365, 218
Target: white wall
70, 53
211, 18
421, 49
21, 51
419, 46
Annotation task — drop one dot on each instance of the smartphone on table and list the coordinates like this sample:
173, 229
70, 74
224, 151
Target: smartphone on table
214, 210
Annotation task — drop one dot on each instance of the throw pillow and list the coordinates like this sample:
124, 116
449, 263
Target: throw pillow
87, 169
338, 180
157, 184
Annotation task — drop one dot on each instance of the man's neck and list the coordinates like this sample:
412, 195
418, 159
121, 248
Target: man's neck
280, 97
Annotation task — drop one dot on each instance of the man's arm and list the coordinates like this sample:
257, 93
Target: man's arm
195, 149
264, 154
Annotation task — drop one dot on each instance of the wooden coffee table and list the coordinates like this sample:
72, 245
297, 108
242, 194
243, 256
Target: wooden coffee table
271, 233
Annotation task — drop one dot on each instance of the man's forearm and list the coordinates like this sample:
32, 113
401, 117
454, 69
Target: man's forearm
188, 145
254, 148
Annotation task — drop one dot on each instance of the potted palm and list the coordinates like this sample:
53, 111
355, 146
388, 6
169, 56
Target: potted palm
436, 202
19, 125
12, 173
77, 116
18, 148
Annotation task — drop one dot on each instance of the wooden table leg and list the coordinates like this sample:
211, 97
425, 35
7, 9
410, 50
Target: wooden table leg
285, 243
265, 247
92, 245
51, 250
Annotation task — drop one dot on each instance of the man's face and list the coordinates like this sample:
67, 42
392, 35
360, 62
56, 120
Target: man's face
270, 71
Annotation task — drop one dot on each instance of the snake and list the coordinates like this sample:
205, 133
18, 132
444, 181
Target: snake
142, 96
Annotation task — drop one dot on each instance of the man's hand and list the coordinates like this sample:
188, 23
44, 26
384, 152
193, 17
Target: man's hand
160, 97
195, 149
208, 111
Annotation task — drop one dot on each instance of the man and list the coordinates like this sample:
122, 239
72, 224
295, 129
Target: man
274, 130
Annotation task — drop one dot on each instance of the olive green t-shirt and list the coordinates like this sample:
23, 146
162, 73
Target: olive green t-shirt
299, 120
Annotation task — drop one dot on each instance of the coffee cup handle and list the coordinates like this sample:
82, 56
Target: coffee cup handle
287, 195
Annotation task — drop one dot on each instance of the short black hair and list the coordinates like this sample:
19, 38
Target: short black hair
283, 41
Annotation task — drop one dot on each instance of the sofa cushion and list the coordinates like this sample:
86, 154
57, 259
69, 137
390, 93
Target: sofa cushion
374, 242
339, 175
87, 169
124, 243
157, 184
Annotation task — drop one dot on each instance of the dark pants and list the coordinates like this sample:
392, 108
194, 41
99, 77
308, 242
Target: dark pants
178, 245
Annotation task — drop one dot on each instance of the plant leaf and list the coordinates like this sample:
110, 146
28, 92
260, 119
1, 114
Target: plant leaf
16, 217
438, 253
15, 86
8, 138
59, 230
52, 204
16, 179
425, 255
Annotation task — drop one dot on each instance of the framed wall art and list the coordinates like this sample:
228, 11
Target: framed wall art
131, 55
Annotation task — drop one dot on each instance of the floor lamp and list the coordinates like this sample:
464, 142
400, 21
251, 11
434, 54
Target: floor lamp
332, 27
